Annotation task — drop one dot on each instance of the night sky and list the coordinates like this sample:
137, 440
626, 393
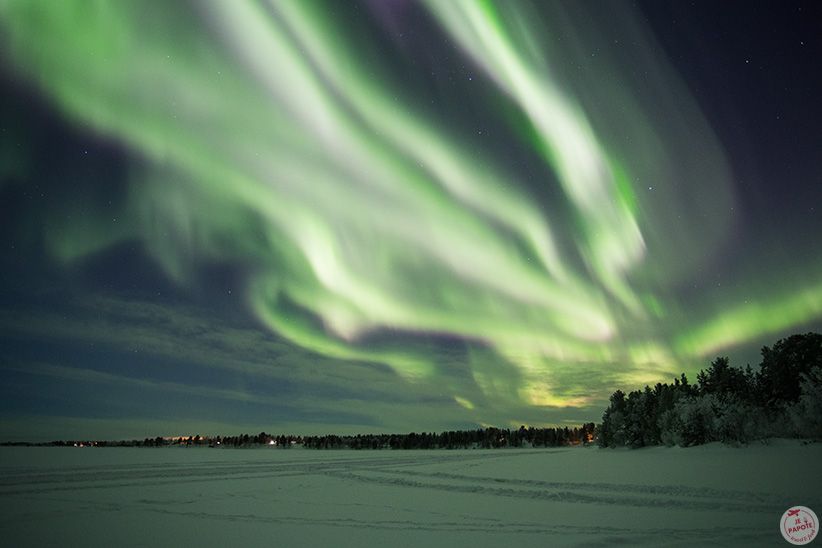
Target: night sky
312, 217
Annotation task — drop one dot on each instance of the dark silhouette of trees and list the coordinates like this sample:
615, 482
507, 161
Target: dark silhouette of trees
611, 431
725, 381
488, 438
784, 399
783, 365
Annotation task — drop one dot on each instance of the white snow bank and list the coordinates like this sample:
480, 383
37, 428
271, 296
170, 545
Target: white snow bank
704, 496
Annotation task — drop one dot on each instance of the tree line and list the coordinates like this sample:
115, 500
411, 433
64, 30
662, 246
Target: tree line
782, 399
487, 438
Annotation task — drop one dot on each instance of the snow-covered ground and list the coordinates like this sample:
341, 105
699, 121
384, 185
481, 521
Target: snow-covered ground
704, 496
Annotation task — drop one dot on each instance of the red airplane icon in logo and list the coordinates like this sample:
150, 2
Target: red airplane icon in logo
793, 512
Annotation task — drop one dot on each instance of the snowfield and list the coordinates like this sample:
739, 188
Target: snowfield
711, 495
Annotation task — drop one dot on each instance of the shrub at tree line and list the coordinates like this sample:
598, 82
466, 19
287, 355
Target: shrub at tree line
782, 399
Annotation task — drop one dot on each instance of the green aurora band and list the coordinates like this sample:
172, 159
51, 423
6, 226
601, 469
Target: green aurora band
288, 138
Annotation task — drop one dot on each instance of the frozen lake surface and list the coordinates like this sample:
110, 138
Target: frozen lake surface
703, 496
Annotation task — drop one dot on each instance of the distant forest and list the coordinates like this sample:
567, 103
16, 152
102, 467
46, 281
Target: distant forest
782, 399
488, 438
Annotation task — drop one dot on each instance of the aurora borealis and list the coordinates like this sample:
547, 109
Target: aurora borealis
389, 216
